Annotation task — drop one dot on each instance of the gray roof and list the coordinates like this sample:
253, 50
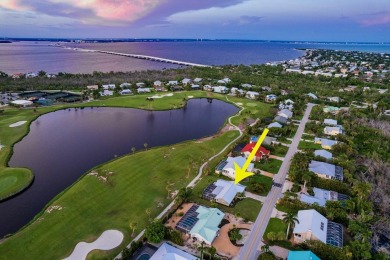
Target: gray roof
323, 153
280, 119
226, 190
320, 197
330, 122
168, 252
328, 169
286, 112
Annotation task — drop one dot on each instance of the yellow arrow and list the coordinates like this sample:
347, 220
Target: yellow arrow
241, 173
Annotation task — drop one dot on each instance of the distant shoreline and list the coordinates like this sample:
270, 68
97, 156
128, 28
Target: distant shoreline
103, 40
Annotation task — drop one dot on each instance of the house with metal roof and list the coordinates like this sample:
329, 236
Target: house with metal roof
201, 223
333, 130
168, 252
275, 124
313, 226
330, 122
252, 94
326, 170
323, 153
220, 89
285, 113
325, 143
321, 196
302, 255
228, 168
223, 192
281, 119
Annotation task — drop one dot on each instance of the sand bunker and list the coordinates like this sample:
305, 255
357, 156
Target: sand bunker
190, 96
18, 124
109, 239
161, 96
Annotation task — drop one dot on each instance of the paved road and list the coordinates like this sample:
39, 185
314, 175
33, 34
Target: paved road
251, 249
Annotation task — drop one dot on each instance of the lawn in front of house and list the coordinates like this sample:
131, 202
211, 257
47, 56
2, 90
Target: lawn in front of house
270, 165
275, 225
308, 145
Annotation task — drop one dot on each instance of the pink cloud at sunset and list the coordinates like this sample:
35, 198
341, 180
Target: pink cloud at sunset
13, 5
116, 10
376, 19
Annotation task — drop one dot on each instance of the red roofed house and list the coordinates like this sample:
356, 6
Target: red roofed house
261, 152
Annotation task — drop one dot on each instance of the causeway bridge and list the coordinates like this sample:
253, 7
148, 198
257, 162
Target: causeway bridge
143, 57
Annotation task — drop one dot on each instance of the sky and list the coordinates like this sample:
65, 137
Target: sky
296, 20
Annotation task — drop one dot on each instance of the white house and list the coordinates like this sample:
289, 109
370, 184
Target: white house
252, 94
220, 89
198, 80
108, 86
227, 80
333, 130
270, 98
323, 153
285, 113
140, 84
157, 83
223, 192
143, 90
207, 88
31, 75
312, 96
221, 81
293, 70
229, 169
173, 82
168, 252
22, 103
106, 92
330, 122
275, 124
125, 85
334, 99
237, 91
125, 92
312, 225
245, 85
186, 81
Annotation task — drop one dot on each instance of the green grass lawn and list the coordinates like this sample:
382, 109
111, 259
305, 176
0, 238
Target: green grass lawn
267, 181
271, 165
280, 150
13, 180
253, 109
308, 145
91, 206
275, 225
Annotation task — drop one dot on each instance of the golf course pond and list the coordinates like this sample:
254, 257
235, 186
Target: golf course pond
62, 145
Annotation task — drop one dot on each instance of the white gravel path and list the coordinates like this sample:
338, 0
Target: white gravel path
18, 124
109, 239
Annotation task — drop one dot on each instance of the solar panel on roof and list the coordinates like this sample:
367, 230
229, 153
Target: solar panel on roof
188, 221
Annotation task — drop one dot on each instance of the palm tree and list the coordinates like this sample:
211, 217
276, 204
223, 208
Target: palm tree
133, 149
133, 226
184, 194
146, 145
265, 248
168, 188
148, 211
306, 177
362, 189
290, 219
